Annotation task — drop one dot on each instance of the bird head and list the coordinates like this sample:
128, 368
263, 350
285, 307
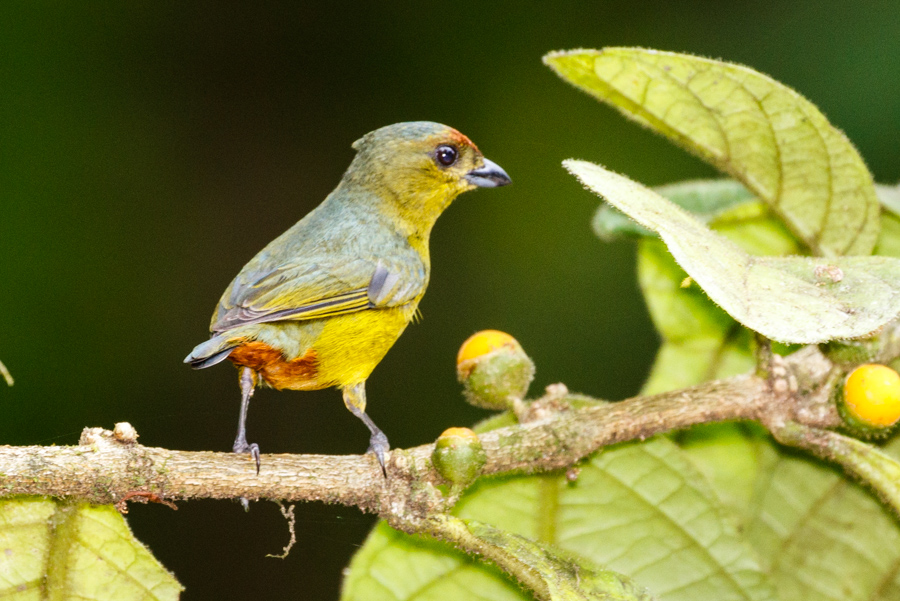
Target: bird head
418, 168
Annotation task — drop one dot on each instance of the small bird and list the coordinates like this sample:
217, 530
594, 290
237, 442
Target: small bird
322, 304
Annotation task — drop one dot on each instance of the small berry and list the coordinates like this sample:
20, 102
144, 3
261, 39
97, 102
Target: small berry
482, 343
871, 397
494, 370
458, 456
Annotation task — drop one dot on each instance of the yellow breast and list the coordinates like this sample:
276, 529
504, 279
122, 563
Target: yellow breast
350, 346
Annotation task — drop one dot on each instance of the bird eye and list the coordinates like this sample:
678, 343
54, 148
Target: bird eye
446, 155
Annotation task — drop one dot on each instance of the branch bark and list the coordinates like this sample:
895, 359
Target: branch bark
554, 432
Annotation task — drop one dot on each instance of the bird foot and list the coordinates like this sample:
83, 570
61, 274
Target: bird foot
378, 445
241, 446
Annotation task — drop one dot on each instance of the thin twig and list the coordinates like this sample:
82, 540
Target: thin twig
288, 513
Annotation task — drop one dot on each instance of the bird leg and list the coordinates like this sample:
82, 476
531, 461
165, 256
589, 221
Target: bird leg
355, 400
240, 441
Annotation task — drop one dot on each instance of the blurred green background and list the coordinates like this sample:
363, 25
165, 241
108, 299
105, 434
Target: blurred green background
149, 149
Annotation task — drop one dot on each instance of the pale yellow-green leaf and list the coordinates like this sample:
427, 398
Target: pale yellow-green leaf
889, 196
51, 550
759, 131
704, 198
689, 362
700, 341
566, 577
889, 240
788, 299
823, 537
680, 312
731, 458
728, 208
639, 509
393, 566
6, 375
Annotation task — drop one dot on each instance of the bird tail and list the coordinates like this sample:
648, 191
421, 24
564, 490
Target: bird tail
215, 350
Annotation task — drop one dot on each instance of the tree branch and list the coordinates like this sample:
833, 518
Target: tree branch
555, 432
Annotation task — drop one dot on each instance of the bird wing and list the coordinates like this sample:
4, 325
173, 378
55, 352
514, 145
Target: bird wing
319, 287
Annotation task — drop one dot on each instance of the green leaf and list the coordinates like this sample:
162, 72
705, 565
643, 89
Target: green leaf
689, 362
55, 550
823, 536
566, 576
552, 575
611, 224
878, 471
889, 240
700, 341
393, 566
889, 196
752, 227
704, 198
680, 312
759, 131
640, 509
6, 375
728, 208
788, 299
731, 456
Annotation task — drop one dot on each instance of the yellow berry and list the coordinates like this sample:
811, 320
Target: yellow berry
872, 395
460, 433
493, 369
482, 343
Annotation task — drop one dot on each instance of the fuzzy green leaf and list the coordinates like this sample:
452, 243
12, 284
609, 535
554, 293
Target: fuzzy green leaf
877, 470
889, 196
889, 240
700, 341
7, 377
552, 574
762, 133
821, 536
788, 299
56, 551
704, 198
731, 456
640, 509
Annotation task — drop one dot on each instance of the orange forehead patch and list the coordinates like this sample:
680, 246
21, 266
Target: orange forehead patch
462, 140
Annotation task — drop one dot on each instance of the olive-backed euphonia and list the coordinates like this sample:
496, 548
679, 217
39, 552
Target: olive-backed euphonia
321, 304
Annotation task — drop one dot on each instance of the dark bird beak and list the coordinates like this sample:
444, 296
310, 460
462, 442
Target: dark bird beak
490, 175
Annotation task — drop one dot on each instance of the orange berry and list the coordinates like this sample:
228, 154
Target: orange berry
493, 369
483, 343
872, 395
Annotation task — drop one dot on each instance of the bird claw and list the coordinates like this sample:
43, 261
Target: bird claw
252, 449
378, 445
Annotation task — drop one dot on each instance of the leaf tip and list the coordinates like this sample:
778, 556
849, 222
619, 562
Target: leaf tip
578, 167
569, 64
